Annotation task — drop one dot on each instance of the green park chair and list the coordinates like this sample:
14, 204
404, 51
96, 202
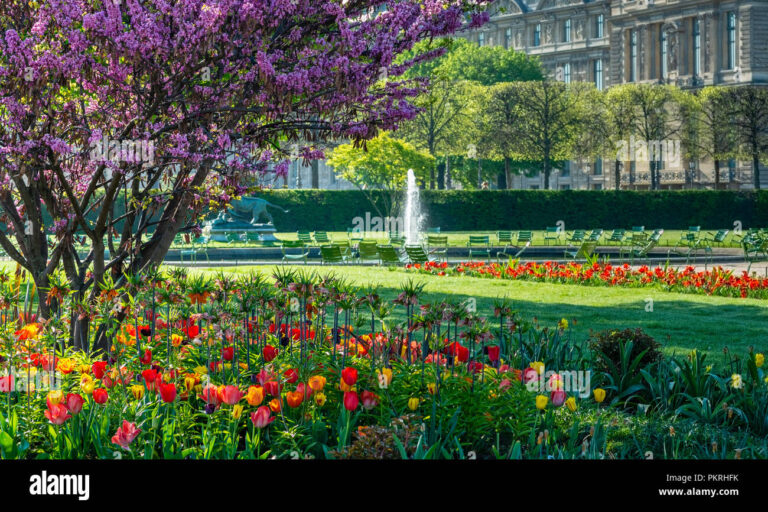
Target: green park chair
479, 245
322, 238
346, 248
251, 237
354, 235
642, 253
582, 252
717, 238
437, 246
755, 249
617, 237
396, 239
366, 251
388, 256
524, 238
305, 237
504, 238
417, 254
688, 245
576, 237
332, 255
595, 235
693, 231
512, 252
294, 250
552, 234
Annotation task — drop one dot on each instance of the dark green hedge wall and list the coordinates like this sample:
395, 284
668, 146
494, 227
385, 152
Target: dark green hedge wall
488, 210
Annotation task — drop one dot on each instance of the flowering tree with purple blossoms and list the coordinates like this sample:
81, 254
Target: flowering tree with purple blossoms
169, 106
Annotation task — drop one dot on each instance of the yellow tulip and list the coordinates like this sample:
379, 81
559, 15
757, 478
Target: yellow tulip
563, 324
88, 387
320, 399
317, 382
138, 391
538, 366
55, 397
189, 382
385, 377
599, 394
541, 402
237, 410
432, 388
759, 360
255, 395
571, 404
413, 403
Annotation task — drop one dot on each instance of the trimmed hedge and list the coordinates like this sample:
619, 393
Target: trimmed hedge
489, 210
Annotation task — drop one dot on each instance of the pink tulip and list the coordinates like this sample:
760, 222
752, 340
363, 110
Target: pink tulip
126, 434
262, 417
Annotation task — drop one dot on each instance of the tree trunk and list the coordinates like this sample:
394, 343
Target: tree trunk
315, 173
652, 167
717, 174
547, 172
441, 176
756, 169
447, 172
617, 171
507, 173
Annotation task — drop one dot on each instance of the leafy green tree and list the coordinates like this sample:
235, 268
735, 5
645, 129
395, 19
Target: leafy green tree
381, 165
543, 121
488, 65
615, 121
656, 116
749, 115
708, 131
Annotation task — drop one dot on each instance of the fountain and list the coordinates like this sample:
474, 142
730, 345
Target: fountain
412, 215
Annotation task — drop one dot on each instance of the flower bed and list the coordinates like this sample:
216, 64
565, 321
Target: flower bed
308, 367
711, 282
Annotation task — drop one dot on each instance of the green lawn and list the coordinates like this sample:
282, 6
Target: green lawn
680, 322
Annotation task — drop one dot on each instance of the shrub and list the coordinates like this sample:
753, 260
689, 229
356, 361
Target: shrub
606, 348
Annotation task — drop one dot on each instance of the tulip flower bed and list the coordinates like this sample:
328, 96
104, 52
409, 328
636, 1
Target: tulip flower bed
711, 282
306, 366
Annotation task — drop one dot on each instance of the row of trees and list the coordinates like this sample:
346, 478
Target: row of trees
490, 112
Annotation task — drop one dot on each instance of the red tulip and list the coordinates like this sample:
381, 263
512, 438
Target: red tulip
530, 375
349, 375
150, 378
369, 399
230, 395
269, 352
74, 403
272, 388
6, 383
291, 375
458, 351
147, 357
210, 395
126, 434
100, 396
262, 417
493, 353
351, 400
294, 398
57, 414
168, 392
475, 367
228, 353
98, 369
558, 397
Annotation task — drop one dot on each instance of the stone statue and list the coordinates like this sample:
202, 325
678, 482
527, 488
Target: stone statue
249, 210
245, 216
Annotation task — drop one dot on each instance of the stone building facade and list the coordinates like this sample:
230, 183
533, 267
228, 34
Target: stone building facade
689, 43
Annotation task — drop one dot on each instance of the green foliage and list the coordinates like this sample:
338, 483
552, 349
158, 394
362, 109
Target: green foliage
614, 348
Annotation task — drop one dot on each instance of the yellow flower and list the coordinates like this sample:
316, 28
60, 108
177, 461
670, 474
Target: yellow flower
759, 360
55, 397
432, 388
413, 403
138, 391
317, 382
320, 399
66, 365
189, 382
736, 381
571, 404
176, 340
541, 401
344, 386
84, 368
563, 324
201, 370
255, 395
599, 394
87, 385
538, 366
385, 377
237, 410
